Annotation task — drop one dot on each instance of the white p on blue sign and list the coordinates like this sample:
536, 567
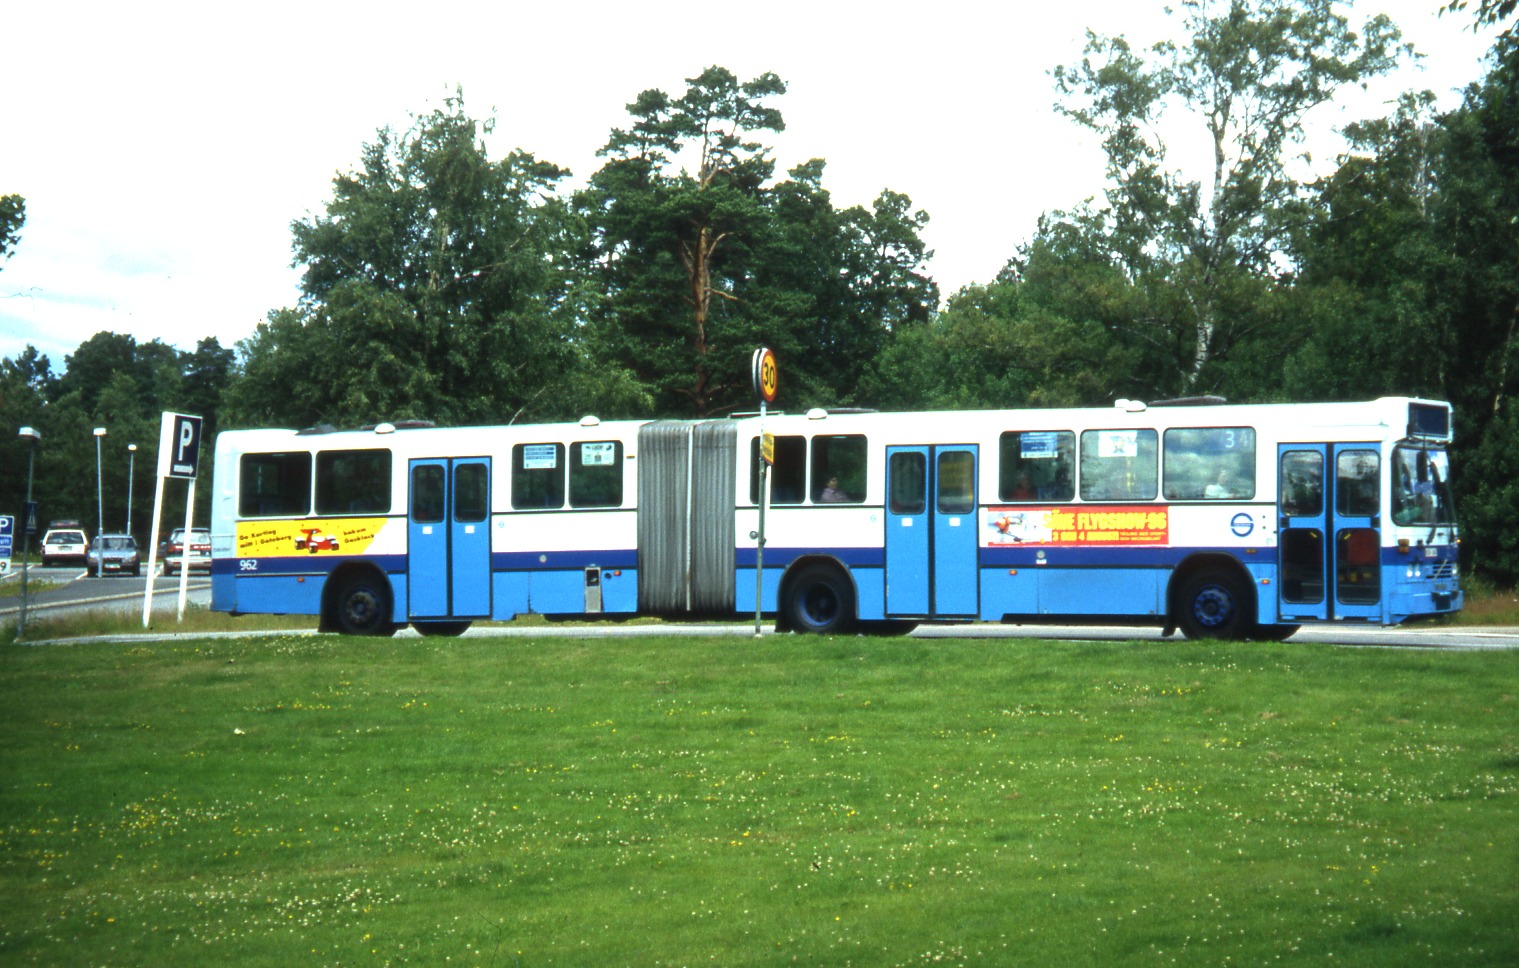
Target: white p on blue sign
7, 536
178, 445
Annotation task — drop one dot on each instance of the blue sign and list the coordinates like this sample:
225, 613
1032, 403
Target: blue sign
7, 529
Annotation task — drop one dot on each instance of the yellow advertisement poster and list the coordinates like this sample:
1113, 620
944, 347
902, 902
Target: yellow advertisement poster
1087, 525
307, 536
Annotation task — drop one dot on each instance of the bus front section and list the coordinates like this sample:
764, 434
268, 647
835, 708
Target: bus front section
1420, 558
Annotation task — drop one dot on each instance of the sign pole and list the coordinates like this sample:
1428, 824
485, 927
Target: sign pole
28, 524
184, 551
158, 511
759, 545
178, 456
765, 376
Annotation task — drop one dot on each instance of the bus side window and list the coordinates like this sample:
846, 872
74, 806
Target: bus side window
353, 482
1357, 473
909, 483
274, 485
596, 474
838, 469
1036, 465
1302, 484
1119, 465
428, 490
537, 476
788, 478
1209, 464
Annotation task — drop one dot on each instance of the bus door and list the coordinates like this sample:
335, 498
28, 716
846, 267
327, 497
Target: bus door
931, 545
448, 563
1329, 544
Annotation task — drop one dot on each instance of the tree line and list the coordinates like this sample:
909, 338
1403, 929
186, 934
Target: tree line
443, 284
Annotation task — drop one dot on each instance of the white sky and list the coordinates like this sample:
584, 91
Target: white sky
164, 149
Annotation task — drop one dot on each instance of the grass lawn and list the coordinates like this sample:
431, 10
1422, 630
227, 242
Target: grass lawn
849, 801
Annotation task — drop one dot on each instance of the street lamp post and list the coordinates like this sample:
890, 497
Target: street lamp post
26, 541
131, 463
99, 506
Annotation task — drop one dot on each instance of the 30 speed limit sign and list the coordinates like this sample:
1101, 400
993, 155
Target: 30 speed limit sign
766, 375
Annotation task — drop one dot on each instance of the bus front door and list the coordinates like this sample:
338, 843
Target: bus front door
931, 545
1329, 544
448, 566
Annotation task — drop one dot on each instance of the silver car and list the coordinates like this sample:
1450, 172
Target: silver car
115, 554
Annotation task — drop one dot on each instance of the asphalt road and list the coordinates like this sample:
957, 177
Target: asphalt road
74, 588
125, 592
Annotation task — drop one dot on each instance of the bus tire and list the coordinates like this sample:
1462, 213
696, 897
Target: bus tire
1213, 605
440, 628
362, 606
820, 601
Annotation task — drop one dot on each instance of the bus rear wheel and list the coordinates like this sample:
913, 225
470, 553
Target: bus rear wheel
362, 607
819, 600
1213, 605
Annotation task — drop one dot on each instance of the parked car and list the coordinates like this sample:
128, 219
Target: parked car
114, 554
63, 544
198, 557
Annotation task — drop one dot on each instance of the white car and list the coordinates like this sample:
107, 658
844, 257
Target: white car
63, 545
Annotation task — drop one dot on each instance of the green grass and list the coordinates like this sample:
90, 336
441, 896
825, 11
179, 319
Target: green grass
319, 800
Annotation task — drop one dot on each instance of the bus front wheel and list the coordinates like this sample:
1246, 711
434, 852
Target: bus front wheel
819, 601
1213, 605
363, 607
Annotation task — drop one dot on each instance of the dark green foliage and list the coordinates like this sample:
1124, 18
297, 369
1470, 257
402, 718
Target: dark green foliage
435, 287
113, 381
12, 217
696, 266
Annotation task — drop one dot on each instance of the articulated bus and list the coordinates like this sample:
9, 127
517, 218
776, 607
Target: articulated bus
1228, 521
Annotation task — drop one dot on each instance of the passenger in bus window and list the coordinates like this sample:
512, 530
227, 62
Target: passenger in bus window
1023, 490
1221, 487
831, 493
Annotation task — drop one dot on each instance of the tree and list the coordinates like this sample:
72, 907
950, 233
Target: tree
1373, 270
1490, 13
12, 217
1205, 252
436, 286
696, 266
671, 243
26, 383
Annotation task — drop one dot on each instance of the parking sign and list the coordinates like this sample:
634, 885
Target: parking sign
7, 532
178, 445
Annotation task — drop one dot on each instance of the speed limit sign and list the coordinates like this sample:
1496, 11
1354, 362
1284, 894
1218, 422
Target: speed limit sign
766, 376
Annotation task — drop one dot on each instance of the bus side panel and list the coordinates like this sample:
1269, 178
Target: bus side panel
509, 594
1008, 591
538, 561
743, 587
1102, 591
274, 595
870, 593
223, 590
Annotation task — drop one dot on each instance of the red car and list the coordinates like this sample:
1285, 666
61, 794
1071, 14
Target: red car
197, 558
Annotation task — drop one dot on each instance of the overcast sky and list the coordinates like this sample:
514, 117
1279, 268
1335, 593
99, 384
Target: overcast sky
164, 149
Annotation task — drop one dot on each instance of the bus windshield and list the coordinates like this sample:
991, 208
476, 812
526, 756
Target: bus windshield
1421, 486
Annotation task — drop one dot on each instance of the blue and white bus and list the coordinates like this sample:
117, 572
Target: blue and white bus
1231, 521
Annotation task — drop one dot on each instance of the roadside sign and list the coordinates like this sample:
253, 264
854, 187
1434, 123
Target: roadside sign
765, 375
767, 447
30, 516
178, 445
7, 536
